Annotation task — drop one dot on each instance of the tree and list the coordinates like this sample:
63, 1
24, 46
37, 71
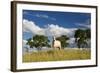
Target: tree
30, 43
38, 41
88, 33
81, 37
63, 39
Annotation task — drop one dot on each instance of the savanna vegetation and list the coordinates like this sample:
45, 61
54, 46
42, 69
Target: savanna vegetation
39, 41
57, 55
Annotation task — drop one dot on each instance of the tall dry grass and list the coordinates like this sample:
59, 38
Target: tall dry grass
57, 55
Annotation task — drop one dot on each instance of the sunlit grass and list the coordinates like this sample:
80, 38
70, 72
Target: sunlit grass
57, 55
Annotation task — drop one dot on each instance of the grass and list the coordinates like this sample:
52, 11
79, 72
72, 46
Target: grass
57, 55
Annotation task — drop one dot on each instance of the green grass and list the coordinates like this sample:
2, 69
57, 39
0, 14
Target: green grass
57, 55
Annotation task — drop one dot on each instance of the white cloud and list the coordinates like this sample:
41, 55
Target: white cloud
72, 43
49, 30
40, 15
83, 25
45, 16
24, 41
86, 24
55, 30
71, 40
30, 26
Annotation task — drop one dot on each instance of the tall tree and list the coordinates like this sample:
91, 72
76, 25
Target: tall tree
63, 39
38, 41
81, 37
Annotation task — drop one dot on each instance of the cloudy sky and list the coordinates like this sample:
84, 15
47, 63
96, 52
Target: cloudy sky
51, 23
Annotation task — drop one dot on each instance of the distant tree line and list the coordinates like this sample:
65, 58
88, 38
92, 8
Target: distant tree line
81, 38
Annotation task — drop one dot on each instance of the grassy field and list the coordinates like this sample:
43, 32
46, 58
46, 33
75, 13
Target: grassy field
57, 55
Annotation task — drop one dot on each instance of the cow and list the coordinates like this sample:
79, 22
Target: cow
56, 43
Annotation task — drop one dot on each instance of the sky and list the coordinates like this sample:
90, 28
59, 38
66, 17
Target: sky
52, 23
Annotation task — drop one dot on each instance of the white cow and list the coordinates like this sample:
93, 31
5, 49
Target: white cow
56, 43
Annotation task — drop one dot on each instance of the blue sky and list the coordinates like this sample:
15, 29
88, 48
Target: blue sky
64, 19
38, 21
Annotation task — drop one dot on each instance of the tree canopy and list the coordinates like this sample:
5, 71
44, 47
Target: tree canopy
38, 41
81, 37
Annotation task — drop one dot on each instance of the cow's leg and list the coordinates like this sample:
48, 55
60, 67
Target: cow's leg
60, 47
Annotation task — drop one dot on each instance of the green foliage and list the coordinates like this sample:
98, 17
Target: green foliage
88, 33
81, 37
30, 43
38, 41
63, 39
